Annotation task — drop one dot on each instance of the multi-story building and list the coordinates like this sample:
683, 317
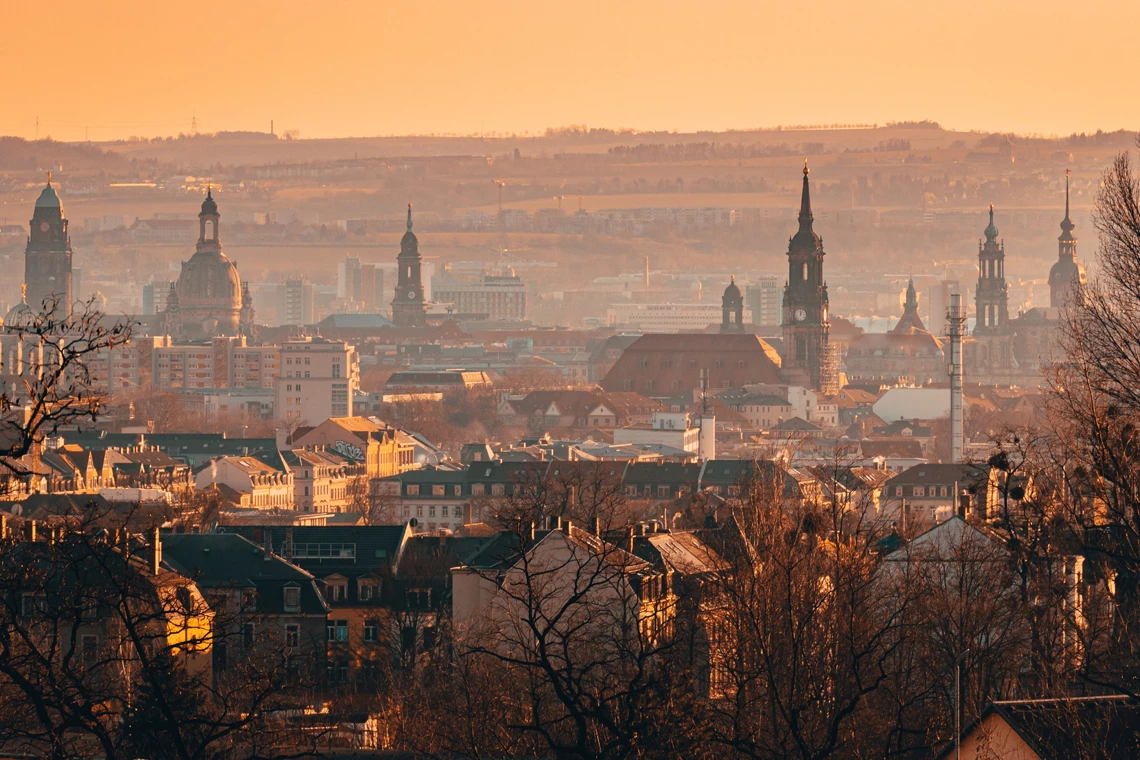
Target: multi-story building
499, 298
247, 482
154, 295
317, 379
379, 449
224, 362
668, 317
764, 299
298, 302
327, 481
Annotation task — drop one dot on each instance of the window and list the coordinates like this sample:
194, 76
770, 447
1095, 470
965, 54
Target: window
30, 604
336, 592
91, 608
408, 639
413, 490
443, 511
89, 648
662, 492
431, 511
498, 489
247, 635
292, 598
458, 490
337, 630
477, 489
898, 490
292, 635
419, 598
429, 637
919, 491
942, 491
438, 490
371, 631
368, 590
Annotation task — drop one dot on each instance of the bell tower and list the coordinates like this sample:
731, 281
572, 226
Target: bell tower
47, 259
408, 308
805, 323
991, 299
1067, 275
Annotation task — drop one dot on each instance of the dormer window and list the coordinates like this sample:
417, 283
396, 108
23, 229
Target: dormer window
292, 598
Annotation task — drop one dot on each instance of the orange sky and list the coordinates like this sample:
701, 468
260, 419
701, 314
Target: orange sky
368, 67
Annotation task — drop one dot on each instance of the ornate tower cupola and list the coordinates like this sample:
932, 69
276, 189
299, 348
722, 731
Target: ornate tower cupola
805, 322
408, 307
991, 297
47, 259
910, 321
1067, 274
208, 218
732, 309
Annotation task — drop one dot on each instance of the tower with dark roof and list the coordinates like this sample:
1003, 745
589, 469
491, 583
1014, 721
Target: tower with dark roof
732, 309
805, 323
1067, 274
991, 298
408, 307
47, 259
910, 321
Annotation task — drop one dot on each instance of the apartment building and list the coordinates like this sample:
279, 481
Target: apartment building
316, 381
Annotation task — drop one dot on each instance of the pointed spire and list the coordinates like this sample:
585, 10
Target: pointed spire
1067, 225
210, 191
49, 179
409, 216
805, 201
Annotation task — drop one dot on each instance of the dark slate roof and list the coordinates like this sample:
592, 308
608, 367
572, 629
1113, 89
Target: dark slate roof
363, 548
189, 447
943, 474
662, 473
355, 320
224, 560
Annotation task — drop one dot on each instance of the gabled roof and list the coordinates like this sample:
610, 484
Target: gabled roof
680, 551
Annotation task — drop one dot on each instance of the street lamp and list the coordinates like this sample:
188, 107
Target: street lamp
958, 703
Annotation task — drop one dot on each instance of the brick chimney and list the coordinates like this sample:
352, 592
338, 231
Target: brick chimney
155, 552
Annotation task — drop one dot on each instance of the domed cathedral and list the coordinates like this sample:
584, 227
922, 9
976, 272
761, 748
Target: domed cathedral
1067, 274
408, 307
732, 306
806, 357
47, 260
208, 300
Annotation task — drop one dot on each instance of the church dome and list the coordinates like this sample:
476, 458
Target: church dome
20, 316
49, 199
209, 278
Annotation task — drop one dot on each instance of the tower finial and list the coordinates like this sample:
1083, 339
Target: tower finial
409, 216
24, 292
49, 179
805, 202
806, 169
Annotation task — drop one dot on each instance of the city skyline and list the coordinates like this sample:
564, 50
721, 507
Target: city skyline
517, 67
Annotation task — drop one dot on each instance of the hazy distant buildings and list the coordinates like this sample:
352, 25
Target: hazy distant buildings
298, 306
764, 299
154, 295
316, 381
1067, 273
667, 317
499, 298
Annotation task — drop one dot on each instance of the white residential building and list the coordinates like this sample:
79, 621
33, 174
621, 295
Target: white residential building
317, 379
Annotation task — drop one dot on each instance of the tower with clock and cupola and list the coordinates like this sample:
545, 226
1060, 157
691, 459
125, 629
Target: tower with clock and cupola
805, 325
408, 307
47, 259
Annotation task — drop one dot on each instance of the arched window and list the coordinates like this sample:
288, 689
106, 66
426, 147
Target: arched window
805, 271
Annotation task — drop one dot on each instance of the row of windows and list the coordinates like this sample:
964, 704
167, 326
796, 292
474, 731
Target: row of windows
924, 491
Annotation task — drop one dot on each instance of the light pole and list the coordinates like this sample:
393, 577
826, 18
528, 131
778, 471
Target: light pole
958, 703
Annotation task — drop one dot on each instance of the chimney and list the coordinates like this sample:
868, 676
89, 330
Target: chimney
155, 552
963, 504
3, 527
31, 528
558, 523
568, 527
598, 526
629, 538
532, 530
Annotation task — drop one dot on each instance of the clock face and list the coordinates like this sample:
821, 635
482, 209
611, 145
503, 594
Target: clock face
44, 226
411, 294
801, 315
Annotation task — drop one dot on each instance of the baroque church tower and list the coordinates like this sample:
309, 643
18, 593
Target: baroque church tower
732, 309
805, 324
47, 259
408, 308
1067, 274
991, 298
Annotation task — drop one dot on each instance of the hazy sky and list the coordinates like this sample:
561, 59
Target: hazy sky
368, 67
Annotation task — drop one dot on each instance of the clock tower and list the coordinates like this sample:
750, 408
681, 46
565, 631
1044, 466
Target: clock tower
47, 259
805, 325
408, 309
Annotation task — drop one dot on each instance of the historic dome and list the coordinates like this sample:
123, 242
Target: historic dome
209, 206
732, 292
21, 315
48, 199
991, 230
209, 293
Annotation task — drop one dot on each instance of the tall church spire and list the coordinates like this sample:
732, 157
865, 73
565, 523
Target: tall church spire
805, 202
991, 231
409, 217
1067, 225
